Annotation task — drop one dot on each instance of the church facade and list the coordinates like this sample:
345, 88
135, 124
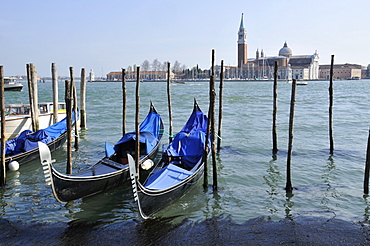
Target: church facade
261, 67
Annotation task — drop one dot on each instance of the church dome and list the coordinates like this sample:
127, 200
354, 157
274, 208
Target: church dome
285, 51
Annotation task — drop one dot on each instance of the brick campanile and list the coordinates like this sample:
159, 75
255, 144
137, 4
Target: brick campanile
242, 44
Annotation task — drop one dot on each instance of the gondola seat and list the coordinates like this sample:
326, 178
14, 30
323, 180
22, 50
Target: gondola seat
167, 177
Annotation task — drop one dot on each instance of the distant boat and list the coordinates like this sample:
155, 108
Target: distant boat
18, 117
11, 85
302, 83
178, 82
298, 82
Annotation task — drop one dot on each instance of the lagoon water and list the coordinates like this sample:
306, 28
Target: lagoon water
251, 182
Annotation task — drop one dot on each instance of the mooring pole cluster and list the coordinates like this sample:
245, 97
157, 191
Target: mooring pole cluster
211, 128
71, 104
288, 186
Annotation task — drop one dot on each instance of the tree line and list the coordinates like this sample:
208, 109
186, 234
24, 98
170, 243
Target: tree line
156, 65
181, 71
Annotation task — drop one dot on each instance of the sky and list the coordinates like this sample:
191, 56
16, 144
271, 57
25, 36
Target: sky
109, 35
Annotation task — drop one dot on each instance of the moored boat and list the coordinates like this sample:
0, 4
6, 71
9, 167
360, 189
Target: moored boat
179, 170
109, 172
18, 117
24, 148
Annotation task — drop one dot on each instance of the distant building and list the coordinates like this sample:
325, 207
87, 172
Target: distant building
242, 45
301, 67
366, 72
341, 71
144, 75
91, 75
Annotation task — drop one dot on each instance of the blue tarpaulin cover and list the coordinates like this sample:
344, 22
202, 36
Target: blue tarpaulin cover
149, 133
28, 139
190, 142
189, 145
167, 177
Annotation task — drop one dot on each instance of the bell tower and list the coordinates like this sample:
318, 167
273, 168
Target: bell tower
242, 44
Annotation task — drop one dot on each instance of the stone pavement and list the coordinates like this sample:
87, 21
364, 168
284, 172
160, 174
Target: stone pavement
302, 230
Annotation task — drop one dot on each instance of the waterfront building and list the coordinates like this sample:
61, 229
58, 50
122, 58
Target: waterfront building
261, 67
300, 67
365, 72
144, 75
341, 71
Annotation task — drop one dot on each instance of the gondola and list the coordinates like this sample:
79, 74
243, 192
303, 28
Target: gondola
179, 170
112, 170
24, 147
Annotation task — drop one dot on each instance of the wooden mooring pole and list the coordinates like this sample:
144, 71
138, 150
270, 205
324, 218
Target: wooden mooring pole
169, 101
367, 167
32, 92
68, 101
288, 186
205, 156
274, 111
137, 121
54, 80
331, 138
83, 99
219, 133
35, 96
206, 149
75, 113
212, 97
2, 144
74, 107
124, 101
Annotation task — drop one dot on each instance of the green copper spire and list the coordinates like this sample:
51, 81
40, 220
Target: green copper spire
242, 22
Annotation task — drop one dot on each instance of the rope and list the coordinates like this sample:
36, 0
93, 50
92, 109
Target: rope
167, 133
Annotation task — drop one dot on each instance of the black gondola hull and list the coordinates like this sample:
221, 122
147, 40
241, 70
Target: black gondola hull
71, 189
152, 201
33, 154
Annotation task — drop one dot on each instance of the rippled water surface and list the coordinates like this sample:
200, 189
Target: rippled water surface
251, 182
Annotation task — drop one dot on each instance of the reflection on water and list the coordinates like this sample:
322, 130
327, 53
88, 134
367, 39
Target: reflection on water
104, 207
367, 209
273, 179
288, 205
328, 178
